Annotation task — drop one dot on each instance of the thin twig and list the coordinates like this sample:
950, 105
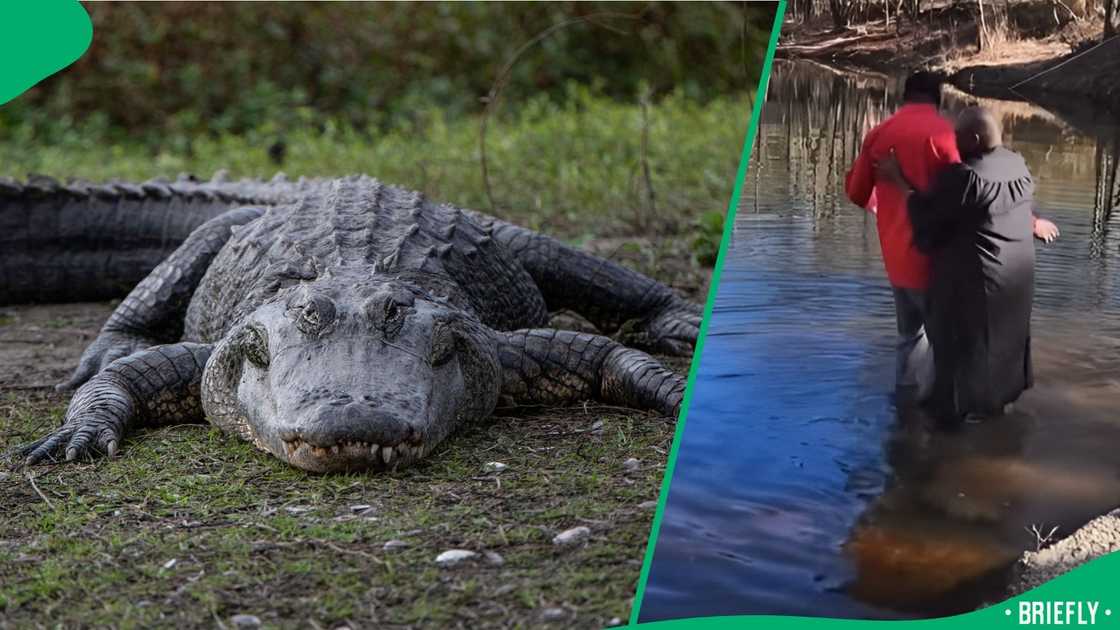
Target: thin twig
1053, 68
39, 492
1076, 18
644, 157
503, 78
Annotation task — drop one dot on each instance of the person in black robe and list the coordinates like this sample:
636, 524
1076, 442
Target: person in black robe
976, 223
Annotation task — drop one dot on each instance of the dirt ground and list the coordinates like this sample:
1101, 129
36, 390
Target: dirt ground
1099, 537
191, 528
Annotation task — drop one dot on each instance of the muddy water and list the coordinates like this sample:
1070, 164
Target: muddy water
800, 488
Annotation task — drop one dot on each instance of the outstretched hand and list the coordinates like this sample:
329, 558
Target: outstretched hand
1045, 230
889, 170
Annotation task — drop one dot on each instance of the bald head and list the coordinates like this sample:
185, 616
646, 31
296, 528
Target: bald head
978, 131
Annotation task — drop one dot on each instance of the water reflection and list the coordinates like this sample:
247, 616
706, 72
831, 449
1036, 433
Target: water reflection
799, 488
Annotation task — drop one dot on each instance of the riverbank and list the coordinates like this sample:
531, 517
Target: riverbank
1068, 60
1100, 536
1091, 74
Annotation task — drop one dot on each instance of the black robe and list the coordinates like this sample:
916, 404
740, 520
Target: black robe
976, 223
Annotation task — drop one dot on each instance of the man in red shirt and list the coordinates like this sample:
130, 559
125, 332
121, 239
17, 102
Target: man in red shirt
924, 143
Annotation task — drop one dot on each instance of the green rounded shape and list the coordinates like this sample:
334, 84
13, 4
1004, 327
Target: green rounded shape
37, 39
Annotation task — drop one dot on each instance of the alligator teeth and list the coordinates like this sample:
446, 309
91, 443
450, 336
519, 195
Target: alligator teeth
373, 448
334, 449
387, 454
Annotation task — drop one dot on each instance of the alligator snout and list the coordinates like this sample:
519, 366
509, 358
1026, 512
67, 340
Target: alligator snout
343, 435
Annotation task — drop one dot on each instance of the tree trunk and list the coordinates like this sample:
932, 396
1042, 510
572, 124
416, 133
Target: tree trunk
1109, 7
839, 12
982, 30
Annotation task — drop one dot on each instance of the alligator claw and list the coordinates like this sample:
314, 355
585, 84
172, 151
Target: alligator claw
94, 425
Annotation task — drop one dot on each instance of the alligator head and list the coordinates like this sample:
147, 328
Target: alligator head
341, 374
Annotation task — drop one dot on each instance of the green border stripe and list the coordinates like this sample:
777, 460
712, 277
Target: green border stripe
713, 287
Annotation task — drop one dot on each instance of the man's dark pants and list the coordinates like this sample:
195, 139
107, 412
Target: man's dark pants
914, 369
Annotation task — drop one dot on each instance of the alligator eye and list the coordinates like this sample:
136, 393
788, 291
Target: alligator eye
444, 344
387, 312
394, 316
314, 314
255, 346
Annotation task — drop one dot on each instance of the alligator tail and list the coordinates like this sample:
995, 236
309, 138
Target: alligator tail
77, 241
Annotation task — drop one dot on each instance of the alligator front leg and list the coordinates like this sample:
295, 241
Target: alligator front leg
548, 366
606, 293
153, 312
156, 386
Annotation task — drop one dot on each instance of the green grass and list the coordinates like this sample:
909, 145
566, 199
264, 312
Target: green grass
96, 548
250, 535
574, 167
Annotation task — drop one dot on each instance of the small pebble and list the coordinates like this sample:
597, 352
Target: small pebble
553, 614
452, 557
495, 467
297, 509
394, 544
360, 508
631, 464
597, 426
648, 505
245, 621
572, 536
170, 563
615, 621
495, 558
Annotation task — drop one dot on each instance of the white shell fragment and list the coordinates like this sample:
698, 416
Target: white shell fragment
572, 536
452, 557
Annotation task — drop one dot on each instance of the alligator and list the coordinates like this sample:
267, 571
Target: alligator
338, 324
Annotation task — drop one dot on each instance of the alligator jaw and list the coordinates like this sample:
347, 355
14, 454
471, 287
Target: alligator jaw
349, 455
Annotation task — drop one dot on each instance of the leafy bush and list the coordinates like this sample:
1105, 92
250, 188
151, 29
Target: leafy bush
707, 233
571, 166
164, 72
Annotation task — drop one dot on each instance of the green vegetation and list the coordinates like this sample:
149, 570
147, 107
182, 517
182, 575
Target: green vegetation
166, 72
572, 167
190, 526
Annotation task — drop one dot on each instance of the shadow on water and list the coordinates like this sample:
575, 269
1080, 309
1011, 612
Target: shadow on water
799, 487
